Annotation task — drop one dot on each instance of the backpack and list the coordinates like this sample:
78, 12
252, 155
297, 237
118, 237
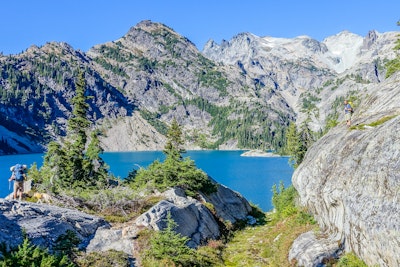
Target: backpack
351, 107
19, 172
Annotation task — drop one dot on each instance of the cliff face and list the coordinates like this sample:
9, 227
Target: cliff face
350, 181
310, 76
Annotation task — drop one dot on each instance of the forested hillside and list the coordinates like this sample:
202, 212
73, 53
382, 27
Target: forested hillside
151, 70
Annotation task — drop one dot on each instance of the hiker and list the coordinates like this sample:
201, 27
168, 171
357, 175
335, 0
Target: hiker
348, 110
19, 176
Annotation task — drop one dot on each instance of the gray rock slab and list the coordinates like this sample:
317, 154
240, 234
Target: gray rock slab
43, 223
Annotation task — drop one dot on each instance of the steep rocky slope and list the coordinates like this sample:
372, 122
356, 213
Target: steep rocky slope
311, 76
36, 89
152, 70
350, 181
166, 76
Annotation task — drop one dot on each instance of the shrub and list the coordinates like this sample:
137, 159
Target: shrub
170, 173
258, 214
394, 64
283, 200
211, 253
174, 171
373, 124
350, 260
116, 204
168, 248
29, 255
67, 244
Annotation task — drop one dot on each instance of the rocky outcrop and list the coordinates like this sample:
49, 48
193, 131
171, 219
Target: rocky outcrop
193, 219
229, 205
310, 249
350, 181
44, 223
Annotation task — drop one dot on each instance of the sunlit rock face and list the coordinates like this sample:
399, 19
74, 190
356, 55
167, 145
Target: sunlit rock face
43, 224
350, 181
194, 219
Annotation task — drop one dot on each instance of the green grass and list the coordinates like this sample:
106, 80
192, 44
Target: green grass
373, 124
264, 245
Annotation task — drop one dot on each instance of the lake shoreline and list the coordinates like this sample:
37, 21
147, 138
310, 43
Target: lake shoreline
259, 153
252, 177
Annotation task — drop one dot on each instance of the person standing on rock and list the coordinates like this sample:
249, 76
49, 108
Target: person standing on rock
348, 110
19, 176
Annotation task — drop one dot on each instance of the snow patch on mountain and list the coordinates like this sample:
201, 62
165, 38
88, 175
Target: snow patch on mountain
345, 47
337, 53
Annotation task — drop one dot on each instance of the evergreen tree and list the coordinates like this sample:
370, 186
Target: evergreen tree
53, 171
29, 255
297, 142
95, 166
394, 64
306, 138
174, 171
283, 200
77, 127
168, 246
174, 147
293, 145
74, 163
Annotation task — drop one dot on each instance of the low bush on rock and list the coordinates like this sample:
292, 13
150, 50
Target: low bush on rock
168, 248
29, 255
350, 260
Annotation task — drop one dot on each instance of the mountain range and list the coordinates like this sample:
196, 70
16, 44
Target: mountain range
242, 93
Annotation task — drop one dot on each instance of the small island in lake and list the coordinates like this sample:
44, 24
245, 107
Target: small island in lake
259, 153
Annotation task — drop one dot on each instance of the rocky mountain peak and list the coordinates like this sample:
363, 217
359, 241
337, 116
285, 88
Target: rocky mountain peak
370, 39
150, 26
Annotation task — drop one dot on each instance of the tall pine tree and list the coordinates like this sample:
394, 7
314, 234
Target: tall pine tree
297, 142
74, 163
77, 127
293, 145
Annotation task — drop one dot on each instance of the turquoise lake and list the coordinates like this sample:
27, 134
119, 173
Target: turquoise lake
252, 177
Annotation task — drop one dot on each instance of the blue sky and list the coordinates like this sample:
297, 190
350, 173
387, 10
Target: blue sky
85, 23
